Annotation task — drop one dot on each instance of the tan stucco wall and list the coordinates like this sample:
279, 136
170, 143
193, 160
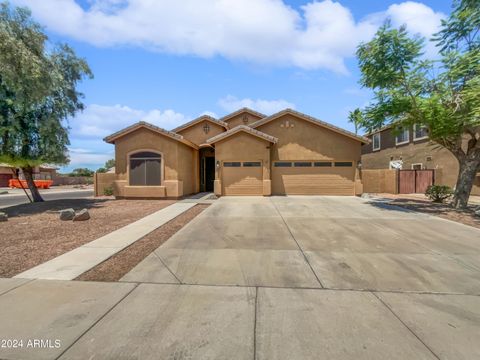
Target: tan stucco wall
238, 120
379, 181
178, 164
196, 134
307, 141
187, 161
243, 147
101, 181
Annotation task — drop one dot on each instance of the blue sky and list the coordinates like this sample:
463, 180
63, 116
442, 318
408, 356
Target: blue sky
169, 62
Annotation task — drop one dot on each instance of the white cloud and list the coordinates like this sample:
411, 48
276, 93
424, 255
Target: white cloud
100, 120
320, 35
419, 18
231, 103
87, 158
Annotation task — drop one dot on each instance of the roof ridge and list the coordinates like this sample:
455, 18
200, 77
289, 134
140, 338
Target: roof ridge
311, 118
246, 128
198, 119
239, 111
152, 127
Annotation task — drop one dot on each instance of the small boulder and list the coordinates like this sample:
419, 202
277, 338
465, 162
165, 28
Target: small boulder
67, 214
3, 217
82, 215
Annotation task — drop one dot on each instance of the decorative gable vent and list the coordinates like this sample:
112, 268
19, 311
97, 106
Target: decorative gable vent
206, 128
245, 119
287, 124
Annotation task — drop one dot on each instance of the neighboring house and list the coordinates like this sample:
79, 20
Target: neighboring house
243, 153
411, 148
42, 172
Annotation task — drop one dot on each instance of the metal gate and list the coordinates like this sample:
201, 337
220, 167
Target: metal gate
415, 181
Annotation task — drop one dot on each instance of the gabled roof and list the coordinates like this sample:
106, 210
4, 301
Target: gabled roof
200, 119
242, 110
142, 124
242, 128
312, 120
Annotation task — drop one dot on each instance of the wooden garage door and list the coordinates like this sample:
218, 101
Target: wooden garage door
313, 178
242, 178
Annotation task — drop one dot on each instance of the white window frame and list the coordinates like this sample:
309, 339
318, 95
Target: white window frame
415, 138
413, 166
379, 142
405, 141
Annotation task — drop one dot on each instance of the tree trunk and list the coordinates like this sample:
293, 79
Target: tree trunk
28, 173
469, 166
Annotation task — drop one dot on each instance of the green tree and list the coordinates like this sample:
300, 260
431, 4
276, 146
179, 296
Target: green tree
355, 117
108, 165
82, 172
442, 95
37, 94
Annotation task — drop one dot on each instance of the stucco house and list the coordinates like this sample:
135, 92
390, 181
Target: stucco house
411, 149
243, 153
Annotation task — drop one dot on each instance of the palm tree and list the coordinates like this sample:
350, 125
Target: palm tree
356, 118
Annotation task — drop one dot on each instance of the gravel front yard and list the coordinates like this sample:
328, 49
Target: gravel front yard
421, 204
34, 234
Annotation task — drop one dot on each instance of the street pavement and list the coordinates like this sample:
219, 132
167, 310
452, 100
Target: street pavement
18, 197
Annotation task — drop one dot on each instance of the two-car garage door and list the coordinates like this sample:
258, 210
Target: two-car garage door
290, 178
313, 178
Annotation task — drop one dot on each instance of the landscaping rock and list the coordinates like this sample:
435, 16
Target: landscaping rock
67, 214
477, 212
82, 215
3, 217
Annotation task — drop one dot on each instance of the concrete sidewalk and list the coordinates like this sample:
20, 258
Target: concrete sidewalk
74, 263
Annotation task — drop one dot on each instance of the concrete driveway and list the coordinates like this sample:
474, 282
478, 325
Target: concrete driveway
318, 242
271, 278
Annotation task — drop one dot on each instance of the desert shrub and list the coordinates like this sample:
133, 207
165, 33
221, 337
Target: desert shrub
108, 191
439, 193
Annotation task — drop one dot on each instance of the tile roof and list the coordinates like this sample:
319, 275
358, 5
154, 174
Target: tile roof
312, 120
142, 124
199, 119
243, 128
239, 111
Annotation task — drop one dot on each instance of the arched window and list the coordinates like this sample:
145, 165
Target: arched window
145, 168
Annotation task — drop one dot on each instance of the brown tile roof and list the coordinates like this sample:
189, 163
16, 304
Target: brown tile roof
199, 119
312, 120
239, 111
243, 128
142, 124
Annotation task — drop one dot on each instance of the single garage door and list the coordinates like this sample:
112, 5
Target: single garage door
4, 178
313, 178
242, 178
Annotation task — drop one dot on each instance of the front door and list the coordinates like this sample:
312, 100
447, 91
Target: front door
207, 169
209, 173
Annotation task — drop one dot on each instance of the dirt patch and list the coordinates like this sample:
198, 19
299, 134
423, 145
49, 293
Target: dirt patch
423, 205
121, 263
34, 234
